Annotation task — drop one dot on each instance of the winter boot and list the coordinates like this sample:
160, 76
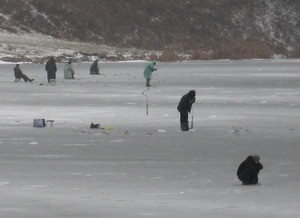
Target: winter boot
148, 83
184, 126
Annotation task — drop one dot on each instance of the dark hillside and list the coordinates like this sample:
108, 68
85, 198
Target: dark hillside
207, 28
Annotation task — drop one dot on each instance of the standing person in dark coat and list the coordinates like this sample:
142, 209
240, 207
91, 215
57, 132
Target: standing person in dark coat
19, 74
185, 107
51, 69
94, 70
249, 169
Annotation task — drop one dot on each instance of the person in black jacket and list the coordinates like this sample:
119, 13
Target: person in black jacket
94, 69
184, 107
249, 169
51, 69
20, 75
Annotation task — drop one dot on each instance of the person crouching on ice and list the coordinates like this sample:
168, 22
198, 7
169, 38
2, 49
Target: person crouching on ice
185, 107
249, 169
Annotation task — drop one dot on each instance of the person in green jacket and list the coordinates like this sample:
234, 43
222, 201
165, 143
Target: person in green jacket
150, 68
69, 72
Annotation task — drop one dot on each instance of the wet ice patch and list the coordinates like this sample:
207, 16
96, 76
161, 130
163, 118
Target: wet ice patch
205, 180
33, 143
116, 141
51, 156
148, 214
162, 130
76, 145
4, 183
13, 209
39, 186
284, 175
156, 178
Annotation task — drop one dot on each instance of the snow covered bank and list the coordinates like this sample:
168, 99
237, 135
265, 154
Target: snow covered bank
37, 48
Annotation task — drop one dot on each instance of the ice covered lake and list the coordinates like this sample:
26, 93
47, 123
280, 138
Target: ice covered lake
144, 166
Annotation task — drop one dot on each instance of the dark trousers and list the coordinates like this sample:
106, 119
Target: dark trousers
23, 76
51, 75
184, 123
184, 116
248, 178
148, 82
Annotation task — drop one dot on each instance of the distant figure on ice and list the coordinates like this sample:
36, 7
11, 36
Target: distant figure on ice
51, 70
68, 71
94, 70
185, 107
19, 74
249, 169
150, 68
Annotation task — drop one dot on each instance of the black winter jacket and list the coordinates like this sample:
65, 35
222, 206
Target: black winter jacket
18, 72
250, 166
51, 66
186, 102
94, 69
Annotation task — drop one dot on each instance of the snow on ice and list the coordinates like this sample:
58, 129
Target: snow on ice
144, 166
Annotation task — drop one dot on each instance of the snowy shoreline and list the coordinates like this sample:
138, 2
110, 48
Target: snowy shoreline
36, 48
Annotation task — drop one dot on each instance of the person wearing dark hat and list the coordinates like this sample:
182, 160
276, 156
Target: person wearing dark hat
184, 107
20, 75
51, 69
249, 169
149, 69
94, 69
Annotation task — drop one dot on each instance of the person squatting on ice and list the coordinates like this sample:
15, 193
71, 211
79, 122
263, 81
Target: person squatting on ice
94, 69
150, 68
19, 74
185, 107
68, 71
51, 69
249, 169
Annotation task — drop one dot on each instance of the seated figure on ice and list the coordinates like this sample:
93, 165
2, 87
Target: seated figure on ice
249, 169
20, 75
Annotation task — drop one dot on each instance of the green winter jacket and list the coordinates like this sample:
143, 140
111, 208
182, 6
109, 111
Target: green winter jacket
149, 70
69, 72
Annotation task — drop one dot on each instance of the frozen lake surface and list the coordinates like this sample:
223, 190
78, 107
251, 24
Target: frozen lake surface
144, 166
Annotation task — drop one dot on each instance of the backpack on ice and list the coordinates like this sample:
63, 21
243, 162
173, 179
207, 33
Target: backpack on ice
39, 123
95, 126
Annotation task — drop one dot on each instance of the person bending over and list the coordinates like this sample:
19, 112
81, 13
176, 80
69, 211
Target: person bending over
184, 107
249, 169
